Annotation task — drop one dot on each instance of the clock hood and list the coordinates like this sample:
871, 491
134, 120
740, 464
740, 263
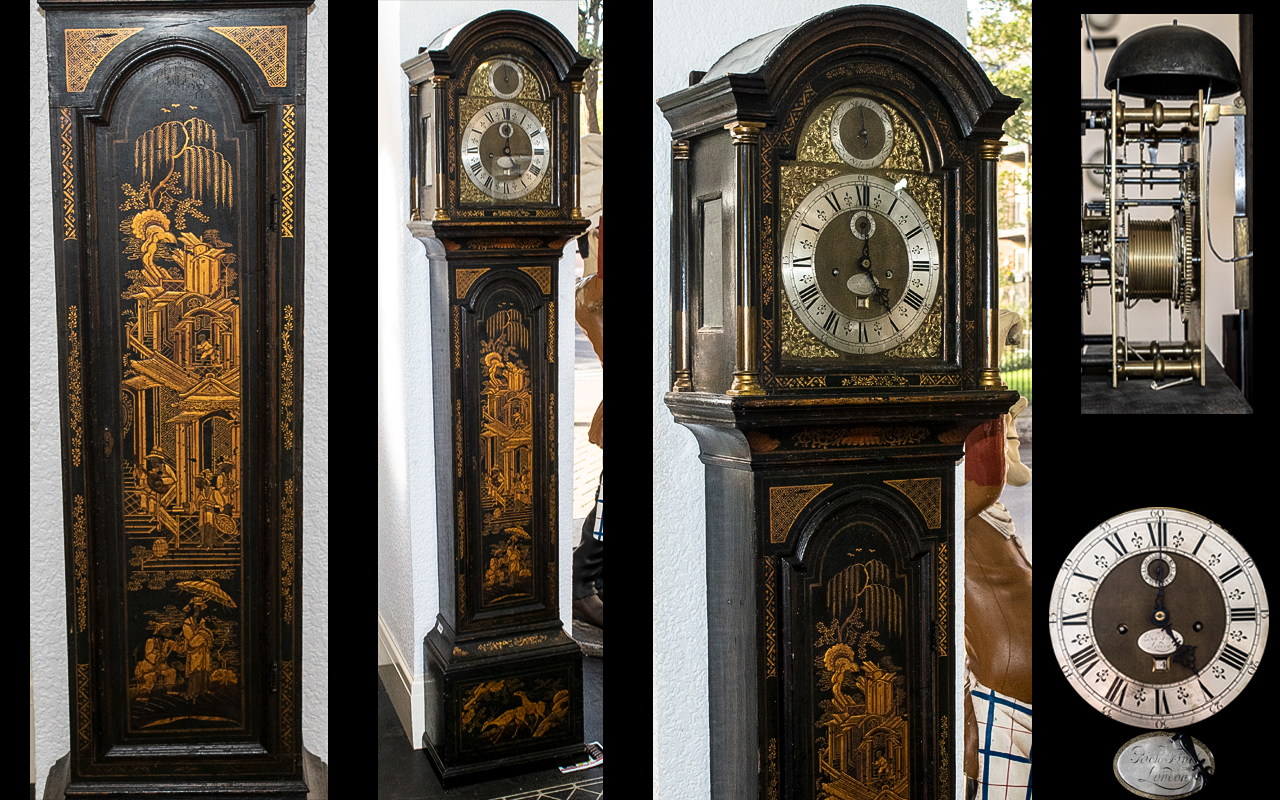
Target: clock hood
749, 82
440, 57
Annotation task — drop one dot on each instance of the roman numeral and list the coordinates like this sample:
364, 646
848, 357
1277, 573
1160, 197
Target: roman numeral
1162, 698
1231, 573
1249, 614
1084, 659
1115, 695
920, 266
864, 194
832, 200
809, 295
832, 321
914, 232
1117, 545
1074, 619
1159, 531
1234, 657
912, 299
895, 202
802, 261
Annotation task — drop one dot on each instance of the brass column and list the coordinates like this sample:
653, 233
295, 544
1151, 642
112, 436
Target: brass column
746, 373
681, 339
989, 256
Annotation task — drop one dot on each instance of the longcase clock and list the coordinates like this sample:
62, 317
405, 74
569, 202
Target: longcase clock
494, 198
833, 343
178, 142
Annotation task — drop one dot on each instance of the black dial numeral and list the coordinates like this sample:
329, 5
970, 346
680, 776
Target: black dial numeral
809, 295
1159, 531
1115, 695
1234, 657
1117, 545
1084, 659
1162, 699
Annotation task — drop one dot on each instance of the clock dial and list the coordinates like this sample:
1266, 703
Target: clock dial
862, 133
505, 150
1158, 618
506, 79
860, 264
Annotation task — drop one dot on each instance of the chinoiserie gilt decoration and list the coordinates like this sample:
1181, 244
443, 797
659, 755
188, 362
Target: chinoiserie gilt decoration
834, 341
494, 198
177, 150
182, 330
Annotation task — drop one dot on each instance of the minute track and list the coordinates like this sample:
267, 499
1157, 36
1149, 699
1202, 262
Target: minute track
1211, 600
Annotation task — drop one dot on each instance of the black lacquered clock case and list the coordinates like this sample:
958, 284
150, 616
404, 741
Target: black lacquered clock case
178, 153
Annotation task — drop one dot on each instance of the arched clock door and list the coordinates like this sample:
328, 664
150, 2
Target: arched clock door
859, 674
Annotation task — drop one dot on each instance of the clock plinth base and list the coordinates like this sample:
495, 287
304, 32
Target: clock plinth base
502, 702
314, 784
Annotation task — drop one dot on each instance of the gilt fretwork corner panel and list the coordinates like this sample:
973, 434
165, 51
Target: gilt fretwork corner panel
178, 149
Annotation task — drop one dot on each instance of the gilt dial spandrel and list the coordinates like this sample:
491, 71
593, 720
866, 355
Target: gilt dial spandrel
181, 191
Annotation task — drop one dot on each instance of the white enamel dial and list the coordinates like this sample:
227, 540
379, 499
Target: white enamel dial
860, 264
505, 150
1159, 618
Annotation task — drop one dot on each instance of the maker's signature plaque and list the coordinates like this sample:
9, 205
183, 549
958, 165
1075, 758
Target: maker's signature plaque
1160, 764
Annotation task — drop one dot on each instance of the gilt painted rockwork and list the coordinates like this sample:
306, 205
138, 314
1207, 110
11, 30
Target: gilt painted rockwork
860, 650
181, 430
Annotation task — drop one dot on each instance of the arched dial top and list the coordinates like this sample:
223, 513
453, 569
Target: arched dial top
1158, 618
860, 264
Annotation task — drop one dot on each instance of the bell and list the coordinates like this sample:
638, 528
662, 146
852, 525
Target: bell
1173, 62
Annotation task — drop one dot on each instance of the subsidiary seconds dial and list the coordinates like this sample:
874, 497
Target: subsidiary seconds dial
505, 150
1158, 618
860, 264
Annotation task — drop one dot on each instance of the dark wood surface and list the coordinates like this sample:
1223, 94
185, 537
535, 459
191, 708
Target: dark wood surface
178, 155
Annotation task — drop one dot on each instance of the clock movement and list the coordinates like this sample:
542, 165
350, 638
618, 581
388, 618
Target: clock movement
178, 140
834, 341
1131, 255
494, 198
